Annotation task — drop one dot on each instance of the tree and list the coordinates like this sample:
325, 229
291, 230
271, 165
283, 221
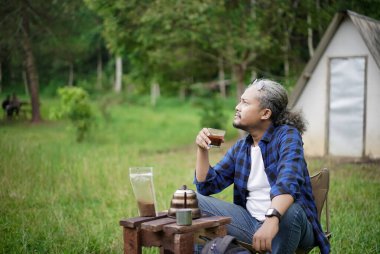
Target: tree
227, 32
17, 26
41, 30
119, 22
70, 45
31, 69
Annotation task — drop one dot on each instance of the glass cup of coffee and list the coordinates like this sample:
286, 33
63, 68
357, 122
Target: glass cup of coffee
216, 137
142, 185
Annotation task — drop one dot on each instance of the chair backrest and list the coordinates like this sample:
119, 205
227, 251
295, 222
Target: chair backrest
320, 184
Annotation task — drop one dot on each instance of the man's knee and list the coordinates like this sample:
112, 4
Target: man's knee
294, 215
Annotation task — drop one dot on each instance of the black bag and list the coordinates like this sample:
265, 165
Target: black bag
223, 245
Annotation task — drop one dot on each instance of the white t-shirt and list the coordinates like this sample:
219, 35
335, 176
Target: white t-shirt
258, 200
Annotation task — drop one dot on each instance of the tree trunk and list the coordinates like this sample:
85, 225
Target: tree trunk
99, 70
25, 79
154, 93
1, 77
119, 74
239, 71
286, 56
182, 93
253, 75
318, 7
222, 83
31, 69
71, 74
310, 36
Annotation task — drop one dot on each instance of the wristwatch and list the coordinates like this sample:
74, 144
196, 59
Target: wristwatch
273, 212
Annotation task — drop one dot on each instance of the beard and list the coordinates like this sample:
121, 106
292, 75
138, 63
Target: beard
238, 125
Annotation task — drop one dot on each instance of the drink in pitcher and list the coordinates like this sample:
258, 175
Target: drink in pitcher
142, 185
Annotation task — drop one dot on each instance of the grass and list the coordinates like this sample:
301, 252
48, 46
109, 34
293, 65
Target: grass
58, 196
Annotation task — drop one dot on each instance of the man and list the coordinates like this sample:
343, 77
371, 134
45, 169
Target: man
273, 204
6, 104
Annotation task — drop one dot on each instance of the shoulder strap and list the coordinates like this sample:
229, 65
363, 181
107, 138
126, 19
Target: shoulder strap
227, 239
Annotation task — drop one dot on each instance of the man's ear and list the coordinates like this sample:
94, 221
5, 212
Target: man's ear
266, 114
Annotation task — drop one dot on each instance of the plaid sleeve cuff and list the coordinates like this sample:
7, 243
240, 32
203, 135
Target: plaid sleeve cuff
202, 187
280, 189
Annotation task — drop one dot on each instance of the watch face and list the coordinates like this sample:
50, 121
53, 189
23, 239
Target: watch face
270, 211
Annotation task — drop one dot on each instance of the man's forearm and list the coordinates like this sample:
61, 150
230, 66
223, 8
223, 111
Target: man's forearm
202, 165
282, 202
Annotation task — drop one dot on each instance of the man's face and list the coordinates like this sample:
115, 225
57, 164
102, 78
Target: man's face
249, 114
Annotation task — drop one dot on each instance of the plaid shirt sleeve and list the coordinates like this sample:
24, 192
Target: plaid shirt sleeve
218, 177
290, 165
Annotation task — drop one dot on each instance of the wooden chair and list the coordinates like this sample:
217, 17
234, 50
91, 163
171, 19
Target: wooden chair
320, 184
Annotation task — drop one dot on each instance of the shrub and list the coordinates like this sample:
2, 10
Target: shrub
75, 105
212, 114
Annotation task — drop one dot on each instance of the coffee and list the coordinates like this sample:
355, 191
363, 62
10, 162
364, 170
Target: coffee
215, 140
142, 185
146, 209
216, 137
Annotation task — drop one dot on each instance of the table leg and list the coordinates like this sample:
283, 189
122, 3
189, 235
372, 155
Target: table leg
184, 243
132, 243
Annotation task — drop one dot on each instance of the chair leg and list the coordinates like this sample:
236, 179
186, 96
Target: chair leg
327, 215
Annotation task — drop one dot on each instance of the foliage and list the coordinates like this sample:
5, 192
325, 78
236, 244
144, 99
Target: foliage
70, 47
115, 15
174, 43
194, 35
212, 114
75, 105
63, 34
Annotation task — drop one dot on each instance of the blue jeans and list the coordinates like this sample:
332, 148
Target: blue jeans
295, 230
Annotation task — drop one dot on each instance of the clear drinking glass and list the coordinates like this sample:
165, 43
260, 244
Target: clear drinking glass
216, 137
143, 189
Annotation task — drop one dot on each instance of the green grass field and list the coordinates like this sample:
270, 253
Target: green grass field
59, 196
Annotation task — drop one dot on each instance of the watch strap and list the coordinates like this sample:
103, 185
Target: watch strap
275, 213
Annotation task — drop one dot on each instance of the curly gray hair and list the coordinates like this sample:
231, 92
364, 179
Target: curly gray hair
273, 96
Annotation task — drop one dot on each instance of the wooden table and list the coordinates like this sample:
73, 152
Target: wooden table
163, 232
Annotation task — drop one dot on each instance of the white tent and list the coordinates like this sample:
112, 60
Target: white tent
339, 90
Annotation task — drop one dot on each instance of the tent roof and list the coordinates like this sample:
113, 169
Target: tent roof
368, 28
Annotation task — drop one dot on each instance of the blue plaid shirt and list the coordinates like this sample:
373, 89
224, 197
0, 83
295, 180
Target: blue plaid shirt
285, 166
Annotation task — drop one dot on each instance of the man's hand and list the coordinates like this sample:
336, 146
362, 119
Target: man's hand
202, 139
262, 239
203, 163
